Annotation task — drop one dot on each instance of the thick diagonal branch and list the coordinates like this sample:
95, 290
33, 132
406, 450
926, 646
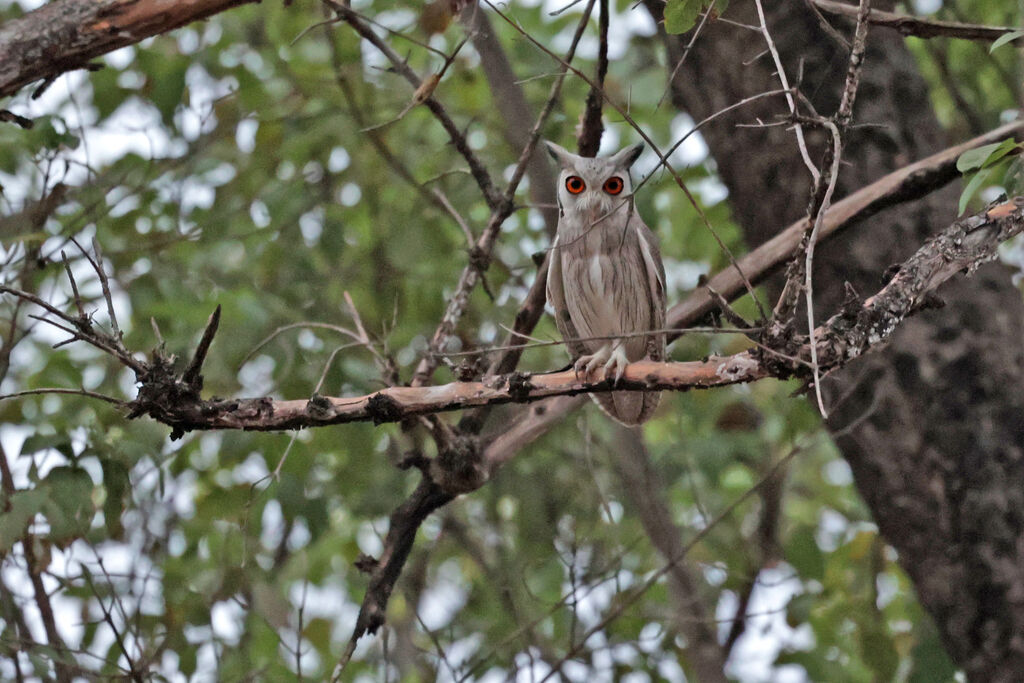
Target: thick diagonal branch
67, 34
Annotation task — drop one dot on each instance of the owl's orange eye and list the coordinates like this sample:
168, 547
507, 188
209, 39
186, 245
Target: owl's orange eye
613, 185
575, 184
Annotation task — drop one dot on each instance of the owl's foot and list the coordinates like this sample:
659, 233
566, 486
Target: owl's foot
585, 365
613, 361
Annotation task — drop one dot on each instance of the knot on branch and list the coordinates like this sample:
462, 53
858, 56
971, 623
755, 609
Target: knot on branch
366, 563
479, 259
319, 407
459, 467
519, 386
160, 385
780, 349
471, 369
382, 408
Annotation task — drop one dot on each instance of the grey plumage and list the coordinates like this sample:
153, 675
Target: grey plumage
605, 276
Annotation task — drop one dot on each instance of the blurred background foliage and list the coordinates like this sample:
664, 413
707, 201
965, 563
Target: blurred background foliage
226, 163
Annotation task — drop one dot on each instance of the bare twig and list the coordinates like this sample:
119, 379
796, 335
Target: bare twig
433, 195
627, 601
511, 103
63, 390
821, 196
812, 239
426, 89
591, 128
644, 489
920, 27
384, 571
480, 174
905, 184
192, 374
293, 326
97, 264
74, 286
80, 329
34, 570
830, 30
708, 11
781, 72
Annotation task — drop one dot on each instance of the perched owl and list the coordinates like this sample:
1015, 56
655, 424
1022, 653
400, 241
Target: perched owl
605, 276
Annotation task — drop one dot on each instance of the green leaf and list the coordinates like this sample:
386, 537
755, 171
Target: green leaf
69, 508
116, 482
43, 442
681, 15
1004, 39
879, 653
24, 505
1013, 179
983, 156
803, 553
972, 188
798, 611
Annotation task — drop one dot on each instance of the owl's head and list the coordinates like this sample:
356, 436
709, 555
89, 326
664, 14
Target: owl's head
594, 183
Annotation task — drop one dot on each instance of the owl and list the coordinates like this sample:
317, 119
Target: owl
605, 277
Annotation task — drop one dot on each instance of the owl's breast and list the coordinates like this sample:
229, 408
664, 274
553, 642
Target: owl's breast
605, 298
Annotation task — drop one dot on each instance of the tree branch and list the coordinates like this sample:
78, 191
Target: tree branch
384, 571
918, 27
66, 34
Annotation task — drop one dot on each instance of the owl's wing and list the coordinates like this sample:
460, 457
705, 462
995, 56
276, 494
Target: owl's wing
556, 297
655, 270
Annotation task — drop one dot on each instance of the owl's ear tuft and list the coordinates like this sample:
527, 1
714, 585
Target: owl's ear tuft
560, 154
625, 158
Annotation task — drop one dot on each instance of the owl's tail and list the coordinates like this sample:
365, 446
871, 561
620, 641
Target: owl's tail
628, 407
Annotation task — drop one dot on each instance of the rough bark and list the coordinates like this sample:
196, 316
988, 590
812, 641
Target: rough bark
937, 438
67, 34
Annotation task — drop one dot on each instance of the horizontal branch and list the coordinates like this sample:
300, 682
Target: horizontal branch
66, 35
855, 330
920, 27
398, 403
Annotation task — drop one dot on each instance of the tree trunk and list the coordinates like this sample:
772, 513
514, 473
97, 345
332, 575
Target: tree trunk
933, 427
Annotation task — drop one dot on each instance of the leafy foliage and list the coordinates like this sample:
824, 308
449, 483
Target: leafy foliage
992, 165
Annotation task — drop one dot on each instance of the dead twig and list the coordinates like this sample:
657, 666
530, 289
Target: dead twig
920, 27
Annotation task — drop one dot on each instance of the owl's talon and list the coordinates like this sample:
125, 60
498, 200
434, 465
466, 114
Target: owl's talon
585, 365
617, 363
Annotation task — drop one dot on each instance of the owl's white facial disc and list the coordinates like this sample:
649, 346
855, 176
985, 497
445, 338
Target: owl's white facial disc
592, 188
